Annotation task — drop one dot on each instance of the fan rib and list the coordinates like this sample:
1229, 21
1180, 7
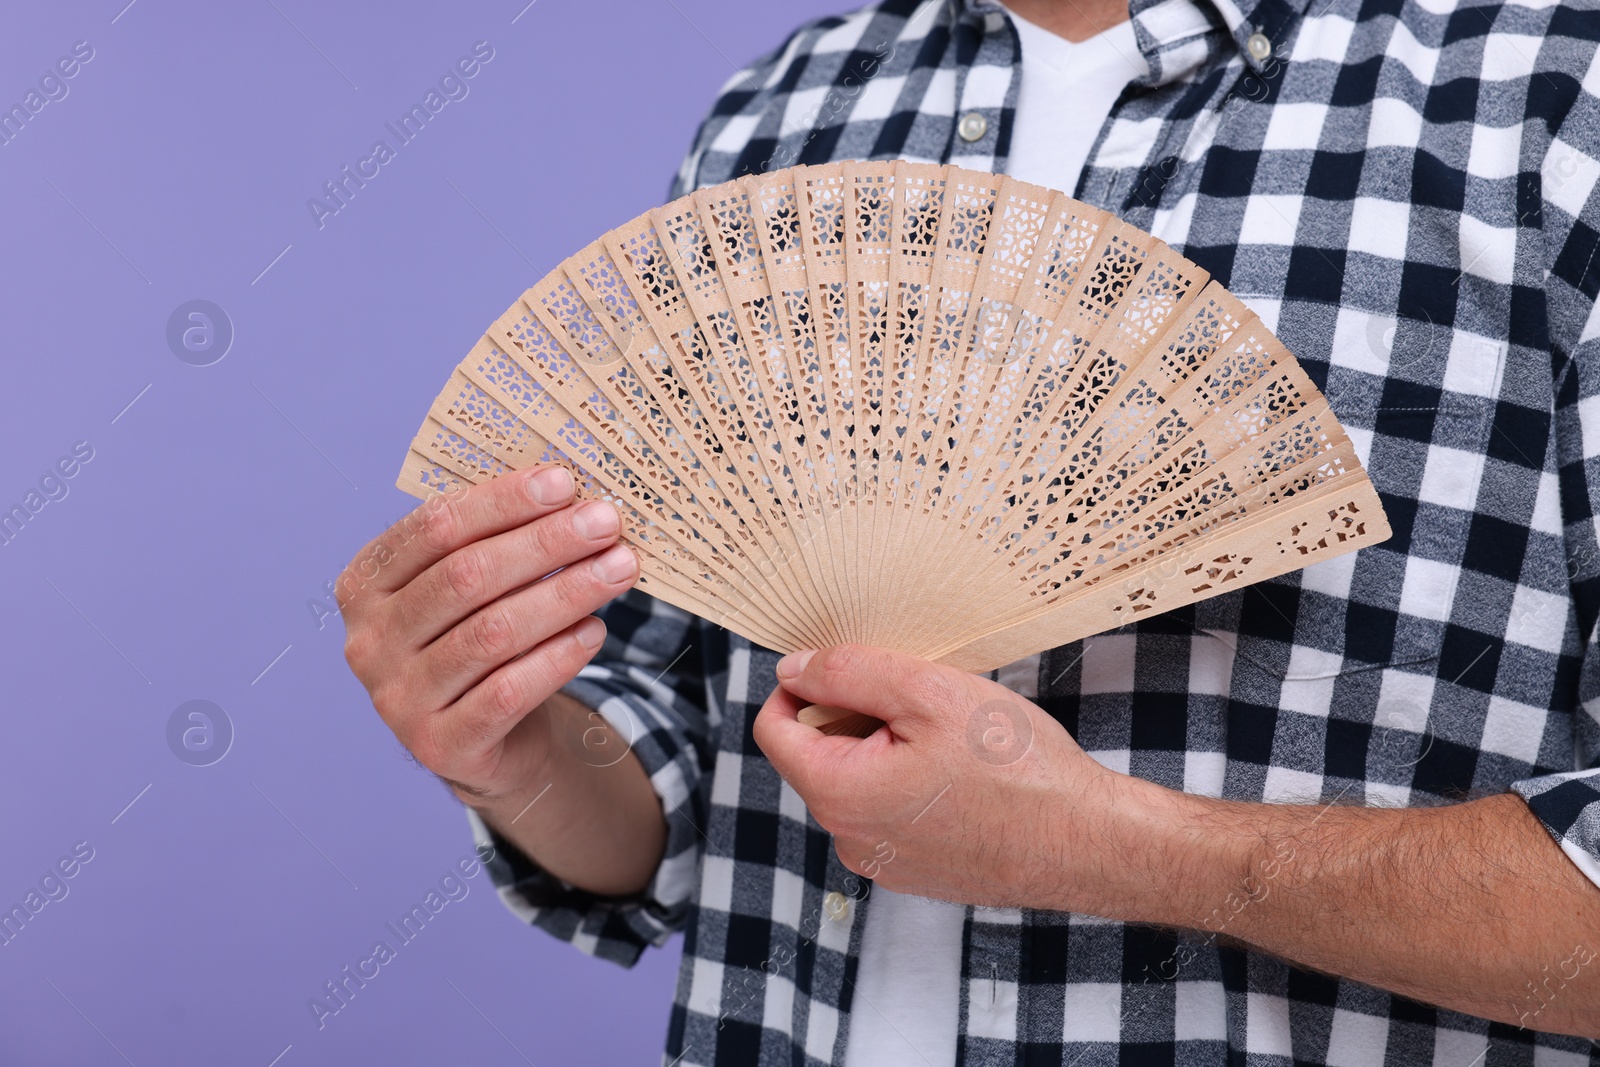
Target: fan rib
911, 405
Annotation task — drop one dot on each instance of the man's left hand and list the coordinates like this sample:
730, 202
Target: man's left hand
970, 794
974, 794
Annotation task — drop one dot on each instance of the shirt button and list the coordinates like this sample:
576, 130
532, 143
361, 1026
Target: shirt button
836, 904
1260, 47
973, 126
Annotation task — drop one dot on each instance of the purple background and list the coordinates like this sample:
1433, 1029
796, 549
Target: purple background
183, 557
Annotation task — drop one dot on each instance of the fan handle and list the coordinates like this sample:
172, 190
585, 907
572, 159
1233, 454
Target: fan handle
838, 722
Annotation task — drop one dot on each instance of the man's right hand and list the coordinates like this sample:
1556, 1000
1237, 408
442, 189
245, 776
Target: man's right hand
458, 634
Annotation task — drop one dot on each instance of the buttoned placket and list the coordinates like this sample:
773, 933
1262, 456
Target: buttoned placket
980, 117
992, 938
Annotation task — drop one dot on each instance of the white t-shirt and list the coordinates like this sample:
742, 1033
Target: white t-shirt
907, 1000
1067, 92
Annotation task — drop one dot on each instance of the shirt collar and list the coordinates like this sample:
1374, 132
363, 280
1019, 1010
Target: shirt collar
1164, 27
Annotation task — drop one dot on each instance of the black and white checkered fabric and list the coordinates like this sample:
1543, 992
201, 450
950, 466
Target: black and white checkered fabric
1405, 190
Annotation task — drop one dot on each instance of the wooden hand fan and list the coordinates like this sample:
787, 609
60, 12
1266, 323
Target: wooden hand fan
908, 405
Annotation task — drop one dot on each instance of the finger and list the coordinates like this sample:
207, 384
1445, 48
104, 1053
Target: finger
900, 689
507, 627
801, 755
484, 571
489, 711
444, 523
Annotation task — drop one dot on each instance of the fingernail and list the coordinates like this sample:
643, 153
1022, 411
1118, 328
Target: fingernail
551, 486
595, 520
791, 665
591, 632
615, 564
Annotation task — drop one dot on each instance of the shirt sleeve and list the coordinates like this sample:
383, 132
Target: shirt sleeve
742, 98
649, 683
1569, 215
1569, 803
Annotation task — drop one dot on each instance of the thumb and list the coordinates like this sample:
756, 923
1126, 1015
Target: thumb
801, 756
898, 688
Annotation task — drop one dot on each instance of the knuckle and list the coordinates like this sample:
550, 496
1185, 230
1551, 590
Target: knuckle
492, 633
429, 746
545, 537
364, 567
355, 559
503, 696
571, 595
839, 661
400, 532
347, 583
390, 701
357, 647
438, 528
383, 550
464, 574
507, 498
557, 660
384, 704
546, 669
576, 595
761, 734
346, 590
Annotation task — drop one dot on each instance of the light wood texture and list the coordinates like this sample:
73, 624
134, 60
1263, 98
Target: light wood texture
908, 405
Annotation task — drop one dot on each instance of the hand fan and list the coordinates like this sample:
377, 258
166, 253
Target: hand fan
908, 405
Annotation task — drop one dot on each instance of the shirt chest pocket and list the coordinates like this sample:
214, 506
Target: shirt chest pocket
1418, 402
1416, 398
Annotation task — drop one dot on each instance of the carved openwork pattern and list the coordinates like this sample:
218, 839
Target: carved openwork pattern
825, 198
779, 224
738, 245
1018, 235
461, 453
1145, 312
1209, 326
910, 405
921, 205
1240, 367
608, 288
971, 208
654, 282
1069, 245
1109, 278
697, 261
872, 217
566, 310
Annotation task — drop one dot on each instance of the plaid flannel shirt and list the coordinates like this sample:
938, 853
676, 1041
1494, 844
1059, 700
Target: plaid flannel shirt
1405, 191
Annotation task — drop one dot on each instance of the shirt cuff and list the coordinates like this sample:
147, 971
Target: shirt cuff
1569, 807
615, 928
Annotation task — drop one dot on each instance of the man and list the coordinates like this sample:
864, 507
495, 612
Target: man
1349, 816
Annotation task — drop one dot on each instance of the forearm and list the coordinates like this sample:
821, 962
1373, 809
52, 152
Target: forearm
1471, 907
589, 816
